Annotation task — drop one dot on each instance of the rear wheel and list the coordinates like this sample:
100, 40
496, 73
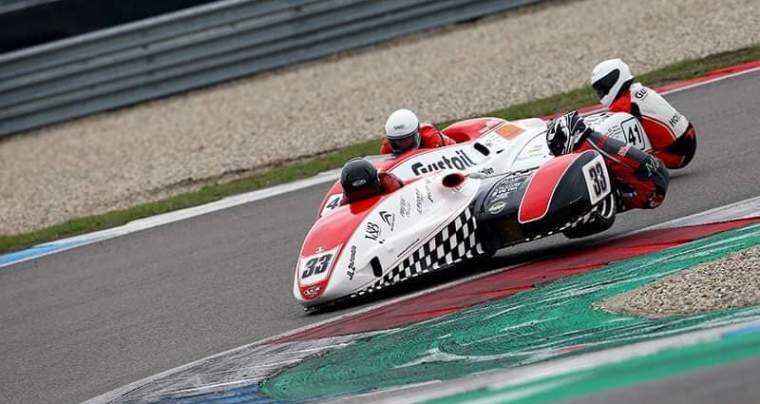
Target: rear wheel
600, 220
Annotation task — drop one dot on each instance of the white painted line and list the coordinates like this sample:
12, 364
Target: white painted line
170, 217
534, 371
112, 395
107, 397
702, 83
174, 216
740, 210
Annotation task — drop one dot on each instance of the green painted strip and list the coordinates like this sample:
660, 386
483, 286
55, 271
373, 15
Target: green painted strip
552, 321
664, 364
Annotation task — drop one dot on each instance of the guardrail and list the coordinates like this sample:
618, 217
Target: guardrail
15, 5
203, 46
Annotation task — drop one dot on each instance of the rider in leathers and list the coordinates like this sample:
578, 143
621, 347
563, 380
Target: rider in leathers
639, 179
673, 138
403, 132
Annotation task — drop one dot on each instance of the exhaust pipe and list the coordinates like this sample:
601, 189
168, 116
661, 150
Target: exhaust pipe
453, 181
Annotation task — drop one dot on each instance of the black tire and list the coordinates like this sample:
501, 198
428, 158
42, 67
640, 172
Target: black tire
601, 220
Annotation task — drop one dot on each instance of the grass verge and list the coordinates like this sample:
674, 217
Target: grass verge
292, 171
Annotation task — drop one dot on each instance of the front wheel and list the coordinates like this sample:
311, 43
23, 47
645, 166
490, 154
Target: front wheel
601, 219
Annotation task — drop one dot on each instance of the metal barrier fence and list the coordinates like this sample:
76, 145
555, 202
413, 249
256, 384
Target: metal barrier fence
203, 46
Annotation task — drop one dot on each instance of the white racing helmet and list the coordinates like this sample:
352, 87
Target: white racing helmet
608, 78
402, 129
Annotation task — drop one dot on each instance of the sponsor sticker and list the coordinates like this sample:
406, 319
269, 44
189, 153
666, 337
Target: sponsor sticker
312, 291
504, 188
419, 200
496, 207
388, 218
351, 263
429, 193
641, 93
533, 151
405, 208
458, 160
373, 232
509, 131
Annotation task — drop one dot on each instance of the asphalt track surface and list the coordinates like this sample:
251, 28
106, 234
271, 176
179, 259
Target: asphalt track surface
735, 384
85, 321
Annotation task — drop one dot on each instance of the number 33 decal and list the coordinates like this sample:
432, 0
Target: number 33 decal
597, 179
315, 268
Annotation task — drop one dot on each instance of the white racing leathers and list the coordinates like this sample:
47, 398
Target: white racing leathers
672, 137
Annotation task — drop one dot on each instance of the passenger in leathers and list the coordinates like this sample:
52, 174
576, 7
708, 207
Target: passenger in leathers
639, 179
673, 138
361, 180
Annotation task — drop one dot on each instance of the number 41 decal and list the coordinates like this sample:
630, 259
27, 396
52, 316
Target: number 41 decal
633, 133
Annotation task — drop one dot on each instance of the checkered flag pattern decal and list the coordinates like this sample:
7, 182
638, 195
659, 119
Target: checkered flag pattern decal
452, 244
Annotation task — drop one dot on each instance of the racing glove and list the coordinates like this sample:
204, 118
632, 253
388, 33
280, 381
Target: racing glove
565, 133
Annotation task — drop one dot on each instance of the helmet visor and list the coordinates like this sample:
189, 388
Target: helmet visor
402, 144
603, 86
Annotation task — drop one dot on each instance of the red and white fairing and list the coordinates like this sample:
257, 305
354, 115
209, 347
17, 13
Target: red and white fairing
336, 258
351, 246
